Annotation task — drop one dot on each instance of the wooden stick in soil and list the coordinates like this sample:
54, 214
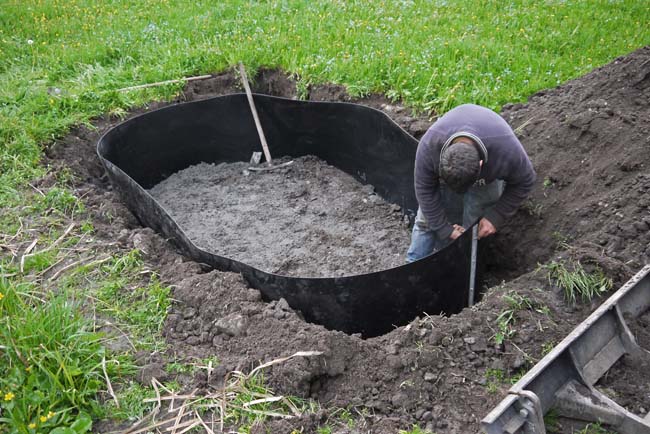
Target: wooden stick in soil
161, 83
108, 383
251, 103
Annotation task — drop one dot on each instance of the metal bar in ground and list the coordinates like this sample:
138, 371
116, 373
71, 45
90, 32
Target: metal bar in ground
472, 272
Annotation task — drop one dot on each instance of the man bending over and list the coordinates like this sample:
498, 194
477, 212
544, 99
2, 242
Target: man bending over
468, 165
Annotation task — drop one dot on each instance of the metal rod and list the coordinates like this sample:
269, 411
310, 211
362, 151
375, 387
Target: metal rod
472, 272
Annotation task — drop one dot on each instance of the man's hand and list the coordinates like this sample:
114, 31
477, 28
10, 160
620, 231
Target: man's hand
457, 232
485, 228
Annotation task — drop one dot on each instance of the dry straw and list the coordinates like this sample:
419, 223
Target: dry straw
184, 411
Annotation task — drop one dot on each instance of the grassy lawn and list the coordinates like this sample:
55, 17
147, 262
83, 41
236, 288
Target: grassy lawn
64, 61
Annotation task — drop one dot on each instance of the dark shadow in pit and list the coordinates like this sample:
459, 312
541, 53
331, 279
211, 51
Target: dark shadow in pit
359, 140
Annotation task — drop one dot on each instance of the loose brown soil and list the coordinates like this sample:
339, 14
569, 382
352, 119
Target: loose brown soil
305, 219
589, 140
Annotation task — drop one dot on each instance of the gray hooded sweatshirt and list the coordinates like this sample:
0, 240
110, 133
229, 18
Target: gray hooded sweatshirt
503, 158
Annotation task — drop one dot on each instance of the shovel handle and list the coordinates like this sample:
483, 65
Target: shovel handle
251, 103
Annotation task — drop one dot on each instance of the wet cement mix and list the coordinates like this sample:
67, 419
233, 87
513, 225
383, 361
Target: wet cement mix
305, 219
589, 140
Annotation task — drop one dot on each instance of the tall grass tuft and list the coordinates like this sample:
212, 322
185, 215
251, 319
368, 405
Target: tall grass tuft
576, 283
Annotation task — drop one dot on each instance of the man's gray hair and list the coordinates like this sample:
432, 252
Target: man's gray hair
460, 166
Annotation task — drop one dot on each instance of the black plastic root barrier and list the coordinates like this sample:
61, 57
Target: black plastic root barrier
362, 141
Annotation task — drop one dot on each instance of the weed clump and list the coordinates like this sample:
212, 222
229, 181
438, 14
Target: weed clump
508, 317
576, 282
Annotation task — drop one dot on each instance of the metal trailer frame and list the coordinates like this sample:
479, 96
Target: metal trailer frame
564, 379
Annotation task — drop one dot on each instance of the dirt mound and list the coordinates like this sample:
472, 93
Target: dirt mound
431, 372
589, 141
305, 219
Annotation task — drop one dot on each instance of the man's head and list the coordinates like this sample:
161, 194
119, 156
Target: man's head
460, 165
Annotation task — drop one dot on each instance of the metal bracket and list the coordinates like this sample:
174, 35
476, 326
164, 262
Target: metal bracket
564, 378
580, 402
531, 415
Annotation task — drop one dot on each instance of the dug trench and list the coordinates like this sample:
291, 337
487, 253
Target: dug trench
589, 140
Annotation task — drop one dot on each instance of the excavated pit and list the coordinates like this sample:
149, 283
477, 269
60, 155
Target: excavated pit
588, 140
365, 143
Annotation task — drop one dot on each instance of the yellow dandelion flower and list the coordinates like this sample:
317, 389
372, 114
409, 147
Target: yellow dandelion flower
2, 296
43, 419
49, 414
9, 396
31, 425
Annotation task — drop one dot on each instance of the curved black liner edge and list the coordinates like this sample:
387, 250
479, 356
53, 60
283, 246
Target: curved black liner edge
360, 140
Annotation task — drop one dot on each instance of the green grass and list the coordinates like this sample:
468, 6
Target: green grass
551, 421
62, 62
495, 378
253, 388
507, 319
576, 283
415, 430
547, 347
51, 373
594, 428
177, 367
60, 200
50, 363
132, 406
346, 419
118, 291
